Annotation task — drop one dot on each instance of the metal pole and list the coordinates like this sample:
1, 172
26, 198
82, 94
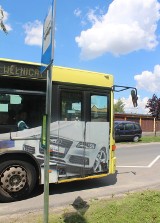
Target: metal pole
48, 113
46, 151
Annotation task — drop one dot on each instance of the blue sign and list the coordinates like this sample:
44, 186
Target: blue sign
48, 39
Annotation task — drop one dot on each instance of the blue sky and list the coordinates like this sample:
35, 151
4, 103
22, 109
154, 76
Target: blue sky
120, 37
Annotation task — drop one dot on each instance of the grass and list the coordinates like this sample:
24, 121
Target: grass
147, 139
133, 208
130, 208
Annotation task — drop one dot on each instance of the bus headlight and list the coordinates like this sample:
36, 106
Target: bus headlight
86, 145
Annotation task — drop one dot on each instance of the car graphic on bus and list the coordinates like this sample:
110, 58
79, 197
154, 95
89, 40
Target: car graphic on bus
73, 155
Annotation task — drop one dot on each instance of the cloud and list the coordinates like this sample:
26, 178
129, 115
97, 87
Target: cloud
5, 19
92, 17
33, 31
129, 108
127, 26
148, 80
77, 12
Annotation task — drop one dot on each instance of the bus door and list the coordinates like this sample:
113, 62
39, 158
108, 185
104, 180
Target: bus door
97, 133
82, 134
67, 133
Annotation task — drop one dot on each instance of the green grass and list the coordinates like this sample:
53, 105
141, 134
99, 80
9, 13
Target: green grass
135, 208
141, 207
131, 208
144, 139
148, 139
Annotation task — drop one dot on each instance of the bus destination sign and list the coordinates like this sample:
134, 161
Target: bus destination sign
28, 71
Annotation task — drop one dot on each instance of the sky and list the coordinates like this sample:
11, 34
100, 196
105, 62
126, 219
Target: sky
119, 37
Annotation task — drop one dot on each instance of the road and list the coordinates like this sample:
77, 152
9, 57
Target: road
137, 168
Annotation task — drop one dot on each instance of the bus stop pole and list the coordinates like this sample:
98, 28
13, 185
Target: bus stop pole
47, 148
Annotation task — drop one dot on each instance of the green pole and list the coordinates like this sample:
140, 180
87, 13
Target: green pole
47, 148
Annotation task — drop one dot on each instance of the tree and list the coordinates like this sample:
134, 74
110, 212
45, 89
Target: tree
153, 104
119, 106
2, 26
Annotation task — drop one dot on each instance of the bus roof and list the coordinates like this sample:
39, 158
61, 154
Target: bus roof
59, 74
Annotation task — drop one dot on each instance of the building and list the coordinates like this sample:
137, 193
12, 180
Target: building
147, 122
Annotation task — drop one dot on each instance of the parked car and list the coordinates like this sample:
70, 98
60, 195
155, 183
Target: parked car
127, 131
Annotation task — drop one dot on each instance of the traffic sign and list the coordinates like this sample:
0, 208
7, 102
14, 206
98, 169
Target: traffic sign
48, 38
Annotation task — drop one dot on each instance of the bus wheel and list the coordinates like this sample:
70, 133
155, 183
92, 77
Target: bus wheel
17, 180
100, 163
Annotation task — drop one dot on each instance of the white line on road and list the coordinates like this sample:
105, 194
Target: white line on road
153, 162
149, 166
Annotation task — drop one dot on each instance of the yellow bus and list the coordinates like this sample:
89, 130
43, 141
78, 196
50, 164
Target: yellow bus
82, 144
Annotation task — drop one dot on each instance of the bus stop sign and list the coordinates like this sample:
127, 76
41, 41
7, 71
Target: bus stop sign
48, 40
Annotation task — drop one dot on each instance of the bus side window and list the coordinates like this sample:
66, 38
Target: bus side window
70, 106
7, 113
4, 118
36, 109
99, 108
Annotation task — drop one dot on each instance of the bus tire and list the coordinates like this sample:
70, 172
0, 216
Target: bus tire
17, 180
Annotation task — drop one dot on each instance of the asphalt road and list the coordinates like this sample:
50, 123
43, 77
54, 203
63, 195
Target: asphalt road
138, 167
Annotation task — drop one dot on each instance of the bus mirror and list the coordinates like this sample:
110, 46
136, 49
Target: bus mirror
134, 98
